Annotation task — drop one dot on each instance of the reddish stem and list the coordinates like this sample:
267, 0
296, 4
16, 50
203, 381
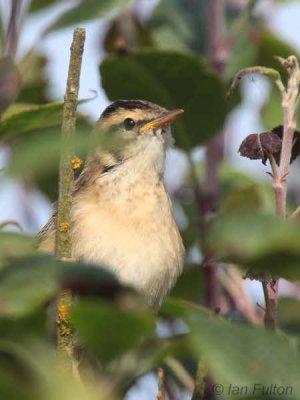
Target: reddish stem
289, 100
215, 12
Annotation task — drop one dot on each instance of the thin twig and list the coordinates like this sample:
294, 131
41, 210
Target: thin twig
288, 103
232, 280
62, 243
180, 372
289, 99
276, 186
208, 199
269, 72
269, 309
9, 76
295, 215
11, 37
8, 222
63, 248
200, 382
161, 384
215, 27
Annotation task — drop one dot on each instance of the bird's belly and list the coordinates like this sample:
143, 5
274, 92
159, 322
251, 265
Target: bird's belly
145, 253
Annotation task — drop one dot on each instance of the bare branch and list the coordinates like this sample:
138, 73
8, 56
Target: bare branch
62, 244
161, 384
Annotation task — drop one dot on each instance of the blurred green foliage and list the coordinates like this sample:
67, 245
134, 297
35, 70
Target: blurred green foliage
173, 80
86, 10
241, 356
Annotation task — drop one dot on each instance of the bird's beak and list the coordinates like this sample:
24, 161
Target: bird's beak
160, 122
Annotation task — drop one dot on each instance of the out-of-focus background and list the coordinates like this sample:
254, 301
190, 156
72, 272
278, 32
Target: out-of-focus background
186, 32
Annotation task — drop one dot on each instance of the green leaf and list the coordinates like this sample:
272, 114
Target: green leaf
27, 327
175, 24
38, 5
240, 355
176, 308
23, 118
247, 198
110, 332
140, 35
37, 130
8, 387
33, 372
257, 241
243, 54
15, 245
39, 151
288, 310
26, 285
35, 84
236, 181
90, 280
173, 80
87, 10
190, 285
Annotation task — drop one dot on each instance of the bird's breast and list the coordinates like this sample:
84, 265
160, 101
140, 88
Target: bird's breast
130, 229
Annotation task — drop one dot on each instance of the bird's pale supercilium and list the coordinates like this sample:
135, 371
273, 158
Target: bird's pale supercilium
121, 215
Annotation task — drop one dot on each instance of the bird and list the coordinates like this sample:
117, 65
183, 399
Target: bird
121, 214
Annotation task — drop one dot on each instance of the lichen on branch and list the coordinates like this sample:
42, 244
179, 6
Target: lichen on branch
63, 249
62, 246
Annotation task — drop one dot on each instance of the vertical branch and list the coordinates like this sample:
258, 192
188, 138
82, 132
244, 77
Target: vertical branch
209, 195
11, 37
9, 77
289, 104
215, 16
161, 384
200, 382
289, 99
269, 307
63, 248
62, 243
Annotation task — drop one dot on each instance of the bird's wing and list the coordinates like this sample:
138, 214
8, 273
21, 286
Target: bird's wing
93, 168
97, 164
46, 236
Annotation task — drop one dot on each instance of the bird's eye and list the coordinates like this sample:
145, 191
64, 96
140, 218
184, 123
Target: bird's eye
129, 124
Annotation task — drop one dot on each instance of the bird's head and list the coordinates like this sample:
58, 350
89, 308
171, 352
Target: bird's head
136, 128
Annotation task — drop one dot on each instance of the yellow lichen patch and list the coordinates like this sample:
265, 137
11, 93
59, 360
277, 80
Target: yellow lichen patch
63, 226
62, 319
76, 163
63, 311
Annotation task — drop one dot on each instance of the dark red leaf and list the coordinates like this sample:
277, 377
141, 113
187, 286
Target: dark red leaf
259, 146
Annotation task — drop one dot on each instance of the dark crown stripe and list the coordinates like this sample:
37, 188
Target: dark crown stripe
125, 104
